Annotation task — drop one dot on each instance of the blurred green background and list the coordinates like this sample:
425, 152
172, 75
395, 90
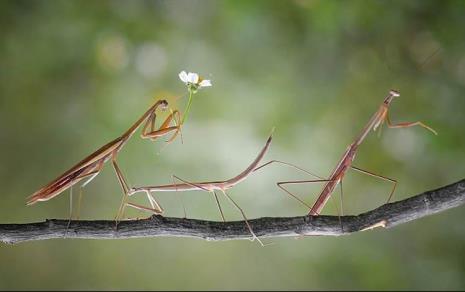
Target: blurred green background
76, 74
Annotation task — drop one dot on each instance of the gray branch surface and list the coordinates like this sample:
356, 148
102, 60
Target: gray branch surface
387, 216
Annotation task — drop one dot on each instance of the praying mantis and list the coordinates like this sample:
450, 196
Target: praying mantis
91, 166
345, 163
211, 187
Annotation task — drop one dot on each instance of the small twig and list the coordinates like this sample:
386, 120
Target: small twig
387, 216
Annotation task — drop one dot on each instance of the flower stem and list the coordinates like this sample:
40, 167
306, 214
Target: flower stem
186, 113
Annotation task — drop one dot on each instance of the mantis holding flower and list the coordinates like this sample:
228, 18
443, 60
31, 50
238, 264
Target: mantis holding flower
90, 167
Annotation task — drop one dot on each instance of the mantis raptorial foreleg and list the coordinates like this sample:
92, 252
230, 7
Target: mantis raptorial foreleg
177, 119
408, 125
177, 127
163, 129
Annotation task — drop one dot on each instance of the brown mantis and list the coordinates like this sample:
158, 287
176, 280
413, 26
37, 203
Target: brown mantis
376, 121
211, 187
91, 166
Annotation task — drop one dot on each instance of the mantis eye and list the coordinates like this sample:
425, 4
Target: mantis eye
394, 93
163, 105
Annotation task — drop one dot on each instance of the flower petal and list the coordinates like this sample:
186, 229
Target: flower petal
193, 78
183, 76
205, 83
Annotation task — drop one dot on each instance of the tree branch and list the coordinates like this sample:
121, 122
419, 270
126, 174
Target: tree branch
388, 215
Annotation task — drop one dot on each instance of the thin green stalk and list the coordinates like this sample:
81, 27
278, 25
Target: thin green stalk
186, 113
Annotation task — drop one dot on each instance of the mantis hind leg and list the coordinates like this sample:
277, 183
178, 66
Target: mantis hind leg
124, 187
280, 185
179, 195
154, 203
202, 188
219, 206
143, 208
155, 206
92, 175
70, 210
254, 236
393, 181
340, 208
207, 190
288, 164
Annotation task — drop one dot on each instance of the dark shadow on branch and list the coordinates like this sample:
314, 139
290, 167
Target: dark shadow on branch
387, 216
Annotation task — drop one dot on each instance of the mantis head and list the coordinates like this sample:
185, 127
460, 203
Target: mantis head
392, 94
383, 111
163, 105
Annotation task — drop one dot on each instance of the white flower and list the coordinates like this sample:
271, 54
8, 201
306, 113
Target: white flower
193, 81
205, 83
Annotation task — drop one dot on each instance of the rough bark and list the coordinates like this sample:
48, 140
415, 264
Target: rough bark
387, 216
